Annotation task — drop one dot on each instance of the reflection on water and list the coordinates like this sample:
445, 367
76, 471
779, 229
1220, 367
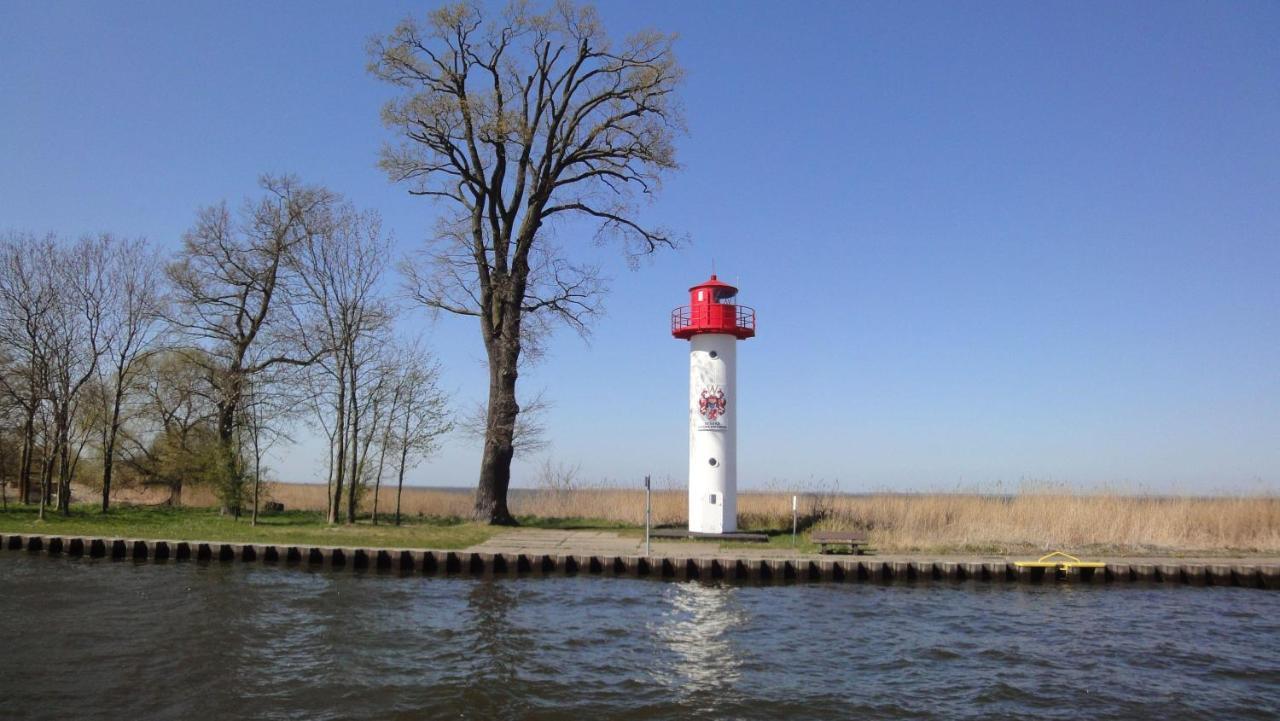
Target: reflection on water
495, 648
94, 639
696, 626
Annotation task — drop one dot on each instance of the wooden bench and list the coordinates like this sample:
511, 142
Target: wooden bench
828, 539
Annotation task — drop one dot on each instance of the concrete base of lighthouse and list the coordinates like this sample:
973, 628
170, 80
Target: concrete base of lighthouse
737, 537
713, 443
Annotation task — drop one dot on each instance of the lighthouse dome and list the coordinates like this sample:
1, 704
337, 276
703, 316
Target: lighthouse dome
713, 308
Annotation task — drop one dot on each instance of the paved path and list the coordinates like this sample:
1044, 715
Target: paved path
589, 542
554, 541
602, 543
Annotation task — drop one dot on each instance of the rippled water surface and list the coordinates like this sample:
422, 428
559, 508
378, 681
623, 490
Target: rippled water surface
94, 639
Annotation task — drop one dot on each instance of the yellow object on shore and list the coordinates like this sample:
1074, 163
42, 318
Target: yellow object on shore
1070, 562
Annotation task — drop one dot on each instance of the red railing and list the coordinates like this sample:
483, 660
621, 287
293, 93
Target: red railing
716, 316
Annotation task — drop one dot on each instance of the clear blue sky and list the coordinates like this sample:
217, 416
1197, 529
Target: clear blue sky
988, 242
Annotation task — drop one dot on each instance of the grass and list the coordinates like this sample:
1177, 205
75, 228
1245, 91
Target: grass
203, 524
777, 541
577, 524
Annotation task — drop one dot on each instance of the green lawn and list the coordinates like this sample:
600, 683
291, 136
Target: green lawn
308, 528
201, 524
777, 540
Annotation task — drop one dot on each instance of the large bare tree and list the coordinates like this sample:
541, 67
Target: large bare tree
512, 123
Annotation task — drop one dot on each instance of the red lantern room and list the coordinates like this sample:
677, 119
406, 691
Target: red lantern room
713, 308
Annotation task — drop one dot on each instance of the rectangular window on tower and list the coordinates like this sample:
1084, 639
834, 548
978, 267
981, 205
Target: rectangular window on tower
713, 499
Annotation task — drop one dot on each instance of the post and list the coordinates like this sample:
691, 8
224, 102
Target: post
648, 513
794, 506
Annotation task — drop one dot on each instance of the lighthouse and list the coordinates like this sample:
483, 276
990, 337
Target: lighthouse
713, 323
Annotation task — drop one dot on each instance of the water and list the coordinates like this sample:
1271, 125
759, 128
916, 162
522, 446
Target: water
96, 639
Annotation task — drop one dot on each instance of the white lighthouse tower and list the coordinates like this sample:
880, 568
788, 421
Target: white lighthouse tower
713, 323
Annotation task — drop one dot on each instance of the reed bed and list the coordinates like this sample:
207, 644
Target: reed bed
1025, 521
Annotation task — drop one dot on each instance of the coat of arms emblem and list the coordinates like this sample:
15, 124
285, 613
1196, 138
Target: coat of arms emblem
712, 403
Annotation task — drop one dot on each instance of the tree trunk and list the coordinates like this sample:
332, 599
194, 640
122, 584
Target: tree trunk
354, 481
64, 479
404, 456
335, 509
28, 451
377, 483
400, 484
227, 410
328, 511
109, 448
64, 460
46, 480
226, 443
257, 471
499, 448
382, 457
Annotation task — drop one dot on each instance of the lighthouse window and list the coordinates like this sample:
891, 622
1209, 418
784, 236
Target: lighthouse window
714, 355
713, 462
713, 499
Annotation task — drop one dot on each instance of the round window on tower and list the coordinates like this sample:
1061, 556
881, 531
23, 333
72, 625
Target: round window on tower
713, 462
714, 355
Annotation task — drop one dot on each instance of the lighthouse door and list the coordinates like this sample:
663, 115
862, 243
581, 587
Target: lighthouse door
713, 514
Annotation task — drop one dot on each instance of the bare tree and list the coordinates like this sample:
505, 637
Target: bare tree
393, 403
266, 408
341, 268
317, 385
512, 124
10, 415
133, 329
415, 413
420, 415
230, 287
368, 401
27, 297
74, 343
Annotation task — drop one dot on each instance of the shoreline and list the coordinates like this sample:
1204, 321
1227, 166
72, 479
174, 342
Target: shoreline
946, 524
920, 533
1246, 573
